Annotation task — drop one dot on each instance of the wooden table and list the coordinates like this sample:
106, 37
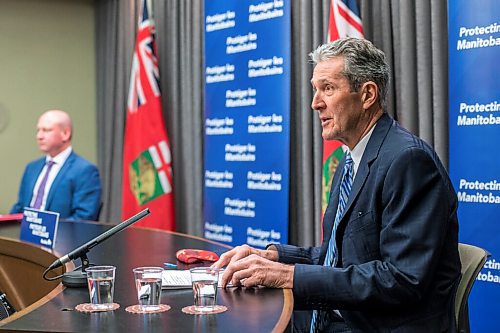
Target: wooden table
249, 310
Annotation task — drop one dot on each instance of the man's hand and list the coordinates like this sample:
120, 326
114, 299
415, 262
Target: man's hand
250, 267
241, 252
254, 270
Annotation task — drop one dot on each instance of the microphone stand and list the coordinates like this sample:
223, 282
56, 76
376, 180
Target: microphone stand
78, 278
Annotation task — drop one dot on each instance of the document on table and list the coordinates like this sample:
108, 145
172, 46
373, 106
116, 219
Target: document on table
179, 279
175, 279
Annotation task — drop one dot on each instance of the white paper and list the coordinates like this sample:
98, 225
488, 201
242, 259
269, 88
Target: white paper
180, 279
175, 279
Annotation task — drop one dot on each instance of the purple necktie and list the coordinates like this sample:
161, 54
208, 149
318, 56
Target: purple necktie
41, 188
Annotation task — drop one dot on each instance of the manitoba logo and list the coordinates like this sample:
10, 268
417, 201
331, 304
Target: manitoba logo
150, 174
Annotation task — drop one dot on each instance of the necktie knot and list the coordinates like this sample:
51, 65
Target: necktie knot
348, 160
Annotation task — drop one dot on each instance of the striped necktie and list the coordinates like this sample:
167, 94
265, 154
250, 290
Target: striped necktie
331, 258
41, 189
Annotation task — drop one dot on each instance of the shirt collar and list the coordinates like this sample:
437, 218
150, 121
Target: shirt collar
359, 149
60, 158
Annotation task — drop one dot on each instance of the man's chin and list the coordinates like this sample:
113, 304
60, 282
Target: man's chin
328, 132
328, 135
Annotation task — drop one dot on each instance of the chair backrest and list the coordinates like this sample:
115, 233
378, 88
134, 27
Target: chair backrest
472, 259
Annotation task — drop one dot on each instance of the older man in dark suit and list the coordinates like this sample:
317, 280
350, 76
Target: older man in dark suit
389, 258
61, 181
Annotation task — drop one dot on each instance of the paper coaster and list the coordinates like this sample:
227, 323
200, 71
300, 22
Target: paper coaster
137, 309
87, 307
191, 310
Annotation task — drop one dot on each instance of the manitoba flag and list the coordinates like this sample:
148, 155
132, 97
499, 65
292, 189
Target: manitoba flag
344, 21
147, 160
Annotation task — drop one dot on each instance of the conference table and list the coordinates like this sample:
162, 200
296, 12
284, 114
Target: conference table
249, 309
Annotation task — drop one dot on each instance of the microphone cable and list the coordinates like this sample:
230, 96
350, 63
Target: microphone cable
45, 277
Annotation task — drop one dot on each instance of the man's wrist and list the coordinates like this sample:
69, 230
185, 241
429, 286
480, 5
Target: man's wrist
270, 253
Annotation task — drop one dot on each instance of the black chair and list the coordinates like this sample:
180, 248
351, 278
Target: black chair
472, 259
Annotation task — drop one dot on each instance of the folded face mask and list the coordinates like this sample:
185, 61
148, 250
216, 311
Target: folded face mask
190, 256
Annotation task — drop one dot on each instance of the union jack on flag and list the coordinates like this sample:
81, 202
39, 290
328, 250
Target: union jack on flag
145, 57
345, 20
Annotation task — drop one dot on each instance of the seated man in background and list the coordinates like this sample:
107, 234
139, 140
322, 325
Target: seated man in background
389, 259
61, 181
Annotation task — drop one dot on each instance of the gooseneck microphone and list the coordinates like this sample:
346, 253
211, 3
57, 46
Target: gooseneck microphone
79, 278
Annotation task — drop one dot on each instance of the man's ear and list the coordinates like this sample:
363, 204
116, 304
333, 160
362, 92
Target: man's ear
369, 94
66, 134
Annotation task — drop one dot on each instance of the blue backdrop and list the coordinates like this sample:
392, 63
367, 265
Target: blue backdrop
247, 116
474, 76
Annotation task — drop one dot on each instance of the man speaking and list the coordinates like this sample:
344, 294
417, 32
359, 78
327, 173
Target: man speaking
61, 181
389, 258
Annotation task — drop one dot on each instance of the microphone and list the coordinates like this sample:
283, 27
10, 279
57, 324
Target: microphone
77, 278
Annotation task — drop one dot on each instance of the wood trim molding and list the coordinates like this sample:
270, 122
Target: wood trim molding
286, 313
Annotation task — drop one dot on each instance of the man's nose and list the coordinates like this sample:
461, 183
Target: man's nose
317, 102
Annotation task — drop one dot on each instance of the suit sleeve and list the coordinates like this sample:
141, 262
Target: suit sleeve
86, 201
289, 254
411, 220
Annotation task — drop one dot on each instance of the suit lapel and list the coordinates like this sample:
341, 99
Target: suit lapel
371, 152
38, 167
60, 175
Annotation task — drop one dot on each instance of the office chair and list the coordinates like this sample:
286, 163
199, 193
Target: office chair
472, 259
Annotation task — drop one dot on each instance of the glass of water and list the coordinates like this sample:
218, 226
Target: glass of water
101, 282
148, 285
204, 282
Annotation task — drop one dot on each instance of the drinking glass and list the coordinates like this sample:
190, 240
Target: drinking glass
148, 285
101, 283
204, 281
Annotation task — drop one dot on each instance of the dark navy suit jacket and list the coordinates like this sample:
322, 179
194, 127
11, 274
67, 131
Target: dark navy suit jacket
398, 265
75, 193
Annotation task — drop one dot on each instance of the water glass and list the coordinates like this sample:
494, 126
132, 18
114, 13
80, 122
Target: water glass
204, 282
148, 285
101, 282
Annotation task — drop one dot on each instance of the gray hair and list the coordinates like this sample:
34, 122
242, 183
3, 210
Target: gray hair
363, 63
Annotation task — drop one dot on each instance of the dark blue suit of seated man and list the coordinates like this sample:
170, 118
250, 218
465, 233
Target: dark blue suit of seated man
62, 181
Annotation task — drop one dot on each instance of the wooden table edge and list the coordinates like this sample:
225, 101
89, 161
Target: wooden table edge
286, 313
51, 295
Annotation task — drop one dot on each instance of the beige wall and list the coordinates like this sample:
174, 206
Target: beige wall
47, 60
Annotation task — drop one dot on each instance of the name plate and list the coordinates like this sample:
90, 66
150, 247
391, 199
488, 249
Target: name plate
39, 227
